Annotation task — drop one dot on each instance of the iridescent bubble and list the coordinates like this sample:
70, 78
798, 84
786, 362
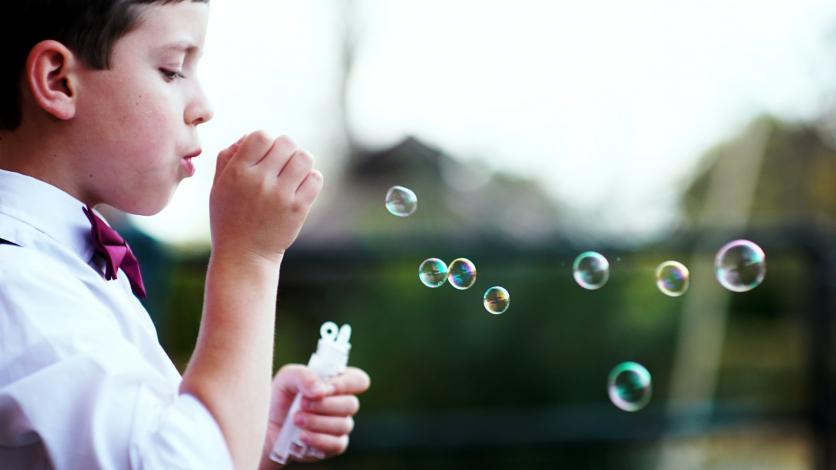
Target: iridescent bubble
740, 265
401, 201
591, 270
629, 386
672, 278
432, 272
497, 300
462, 273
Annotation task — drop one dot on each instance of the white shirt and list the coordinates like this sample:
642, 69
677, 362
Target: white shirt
84, 382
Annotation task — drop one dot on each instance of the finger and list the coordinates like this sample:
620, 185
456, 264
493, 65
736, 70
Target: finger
315, 453
295, 170
338, 405
351, 382
283, 148
296, 378
333, 425
330, 445
254, 147
309, 188
225, 155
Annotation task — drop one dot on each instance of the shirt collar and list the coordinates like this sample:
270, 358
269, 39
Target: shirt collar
48, 210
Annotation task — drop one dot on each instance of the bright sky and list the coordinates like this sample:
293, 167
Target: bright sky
608, 104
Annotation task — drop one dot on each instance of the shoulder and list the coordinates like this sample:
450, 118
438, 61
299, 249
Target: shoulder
21, 266
43, 299
53, 325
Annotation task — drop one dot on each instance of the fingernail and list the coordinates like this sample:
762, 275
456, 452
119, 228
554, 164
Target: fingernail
299, 419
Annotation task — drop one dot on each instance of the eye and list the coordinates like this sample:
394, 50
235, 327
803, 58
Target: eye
171, 75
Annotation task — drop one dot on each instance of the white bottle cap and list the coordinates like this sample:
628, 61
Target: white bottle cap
331, 356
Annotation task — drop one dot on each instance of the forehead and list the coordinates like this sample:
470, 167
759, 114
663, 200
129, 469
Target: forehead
171, 27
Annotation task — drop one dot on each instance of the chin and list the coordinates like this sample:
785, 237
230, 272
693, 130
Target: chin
146, 207
149, 212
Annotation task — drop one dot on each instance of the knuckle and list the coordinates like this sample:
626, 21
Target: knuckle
263, 186
286, 142
291, 367
308, 381
260, 137
286, 372
297, 206
304, 159
236, 172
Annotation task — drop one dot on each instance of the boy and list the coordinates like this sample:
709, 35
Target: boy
101, 105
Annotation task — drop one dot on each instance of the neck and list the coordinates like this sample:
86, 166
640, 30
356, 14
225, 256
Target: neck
43, 155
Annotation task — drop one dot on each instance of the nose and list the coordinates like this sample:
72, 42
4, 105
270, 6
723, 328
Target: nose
198, 110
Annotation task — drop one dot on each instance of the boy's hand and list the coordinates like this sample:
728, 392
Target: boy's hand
325, 416
262, 193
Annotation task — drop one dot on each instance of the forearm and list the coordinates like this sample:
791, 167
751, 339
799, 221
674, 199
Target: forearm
230, 370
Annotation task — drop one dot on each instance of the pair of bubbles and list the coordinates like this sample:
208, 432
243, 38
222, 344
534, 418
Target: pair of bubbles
461, 274
434, 272
739, 266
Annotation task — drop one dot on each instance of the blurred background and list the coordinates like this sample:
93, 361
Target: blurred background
532, 131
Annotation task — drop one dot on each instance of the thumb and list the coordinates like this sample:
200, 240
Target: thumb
224, 156
296, 378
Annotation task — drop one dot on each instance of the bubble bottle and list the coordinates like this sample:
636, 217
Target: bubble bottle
329, 360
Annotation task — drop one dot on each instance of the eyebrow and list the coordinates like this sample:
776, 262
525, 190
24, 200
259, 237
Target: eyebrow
184, 46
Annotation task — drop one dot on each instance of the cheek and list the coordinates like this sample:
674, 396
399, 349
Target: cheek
132, 116
155, 120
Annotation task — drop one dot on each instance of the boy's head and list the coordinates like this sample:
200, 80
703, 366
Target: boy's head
108, 89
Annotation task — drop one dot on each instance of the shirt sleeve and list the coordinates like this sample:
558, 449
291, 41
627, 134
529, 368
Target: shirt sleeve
71, 383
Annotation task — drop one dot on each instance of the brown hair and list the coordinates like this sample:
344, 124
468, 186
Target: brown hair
89, 28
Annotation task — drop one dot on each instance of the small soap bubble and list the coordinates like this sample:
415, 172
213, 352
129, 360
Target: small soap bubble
740, 265
591, 270
401, 201
672, 278
462, 273
432, 272
497, 300
629, 386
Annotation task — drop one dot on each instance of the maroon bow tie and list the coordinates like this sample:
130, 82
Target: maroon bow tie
115, 250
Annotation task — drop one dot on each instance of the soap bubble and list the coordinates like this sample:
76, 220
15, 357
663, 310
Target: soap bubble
462, 273
401, 201
591, 270
740, 265
497, 300
629, 386
432, 272
672, 278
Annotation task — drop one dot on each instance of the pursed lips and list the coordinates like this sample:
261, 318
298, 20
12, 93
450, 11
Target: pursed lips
193, 154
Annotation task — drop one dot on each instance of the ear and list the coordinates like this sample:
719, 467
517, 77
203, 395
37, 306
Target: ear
50, 74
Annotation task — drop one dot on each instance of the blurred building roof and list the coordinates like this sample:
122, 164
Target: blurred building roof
456, 200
